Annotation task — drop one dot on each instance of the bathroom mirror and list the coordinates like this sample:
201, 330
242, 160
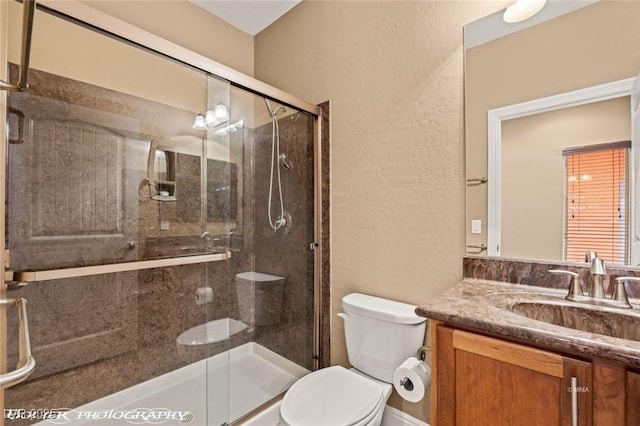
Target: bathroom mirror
222, 191
228, 166
565, 75
161, 168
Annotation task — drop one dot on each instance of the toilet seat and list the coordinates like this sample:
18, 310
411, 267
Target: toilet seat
331, 396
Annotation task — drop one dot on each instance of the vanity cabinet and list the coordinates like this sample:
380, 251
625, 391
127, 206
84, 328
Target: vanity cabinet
481, 380
632, 390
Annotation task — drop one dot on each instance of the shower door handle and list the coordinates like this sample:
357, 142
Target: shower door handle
26, 362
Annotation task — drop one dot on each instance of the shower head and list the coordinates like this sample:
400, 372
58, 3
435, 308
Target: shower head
273, 113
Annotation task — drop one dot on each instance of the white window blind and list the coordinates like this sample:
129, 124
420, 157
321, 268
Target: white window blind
597, 202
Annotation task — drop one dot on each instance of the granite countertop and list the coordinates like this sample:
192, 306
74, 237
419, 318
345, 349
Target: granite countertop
483, 305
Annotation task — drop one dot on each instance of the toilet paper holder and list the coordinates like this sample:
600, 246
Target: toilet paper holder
422, 356
407, 384
422, 353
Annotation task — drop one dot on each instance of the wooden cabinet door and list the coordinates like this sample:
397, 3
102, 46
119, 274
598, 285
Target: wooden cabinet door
633, 399
486, 381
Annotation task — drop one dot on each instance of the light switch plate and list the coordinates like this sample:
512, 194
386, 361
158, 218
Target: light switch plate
476, 226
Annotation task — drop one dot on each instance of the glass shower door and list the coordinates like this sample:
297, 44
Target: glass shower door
106, 221
262, 153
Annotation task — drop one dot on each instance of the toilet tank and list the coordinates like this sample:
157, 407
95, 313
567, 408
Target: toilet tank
380, 334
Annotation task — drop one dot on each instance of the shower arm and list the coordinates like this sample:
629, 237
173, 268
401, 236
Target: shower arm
28, 10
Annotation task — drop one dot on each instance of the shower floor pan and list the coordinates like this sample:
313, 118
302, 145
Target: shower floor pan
209, 392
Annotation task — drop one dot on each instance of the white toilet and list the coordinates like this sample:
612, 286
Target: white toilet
380, 334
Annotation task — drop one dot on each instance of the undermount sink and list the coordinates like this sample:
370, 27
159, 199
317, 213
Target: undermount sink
608, 322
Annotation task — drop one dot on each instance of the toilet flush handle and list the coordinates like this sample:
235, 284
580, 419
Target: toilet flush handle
343, 316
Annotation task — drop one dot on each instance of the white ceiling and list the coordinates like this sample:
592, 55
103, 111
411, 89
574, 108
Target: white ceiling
250, 16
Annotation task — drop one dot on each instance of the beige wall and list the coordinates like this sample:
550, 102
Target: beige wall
533, 171
69, 50
393, 74
593, 45
187, 25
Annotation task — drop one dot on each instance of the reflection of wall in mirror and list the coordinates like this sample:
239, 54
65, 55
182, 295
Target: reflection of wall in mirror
533, 171
593, 45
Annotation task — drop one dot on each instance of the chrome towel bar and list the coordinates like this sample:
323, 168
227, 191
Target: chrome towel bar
477, 181
26, 363
28, 11
482, 247
57, 274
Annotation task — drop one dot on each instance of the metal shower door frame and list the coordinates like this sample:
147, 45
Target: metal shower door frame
4, 30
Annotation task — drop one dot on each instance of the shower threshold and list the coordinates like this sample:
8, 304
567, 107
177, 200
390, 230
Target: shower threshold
214, 391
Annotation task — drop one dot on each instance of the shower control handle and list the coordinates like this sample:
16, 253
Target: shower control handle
283, 160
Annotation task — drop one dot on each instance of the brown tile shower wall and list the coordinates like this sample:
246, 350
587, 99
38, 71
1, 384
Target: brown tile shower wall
287, 254
325, 285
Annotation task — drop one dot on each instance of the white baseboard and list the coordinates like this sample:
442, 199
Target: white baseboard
394, 417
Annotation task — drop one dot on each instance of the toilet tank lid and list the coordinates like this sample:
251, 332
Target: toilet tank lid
258, 276
383, 309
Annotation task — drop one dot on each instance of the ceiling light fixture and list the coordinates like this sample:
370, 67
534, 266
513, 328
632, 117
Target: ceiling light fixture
522, 9
199, 123
211, 118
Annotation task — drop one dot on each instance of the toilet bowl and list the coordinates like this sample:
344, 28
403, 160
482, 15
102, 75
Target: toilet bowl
380, 334
335, 396
211, 332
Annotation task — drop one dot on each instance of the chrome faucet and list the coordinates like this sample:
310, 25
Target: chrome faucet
207, 240
218, 243
595, 287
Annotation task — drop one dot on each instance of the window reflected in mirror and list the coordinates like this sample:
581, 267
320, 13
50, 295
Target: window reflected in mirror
597, 202
533, 188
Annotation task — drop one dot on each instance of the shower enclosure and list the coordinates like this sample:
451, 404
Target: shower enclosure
163, 223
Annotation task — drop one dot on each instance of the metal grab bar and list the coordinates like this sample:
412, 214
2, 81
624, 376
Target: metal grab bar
26, 362
28, 11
